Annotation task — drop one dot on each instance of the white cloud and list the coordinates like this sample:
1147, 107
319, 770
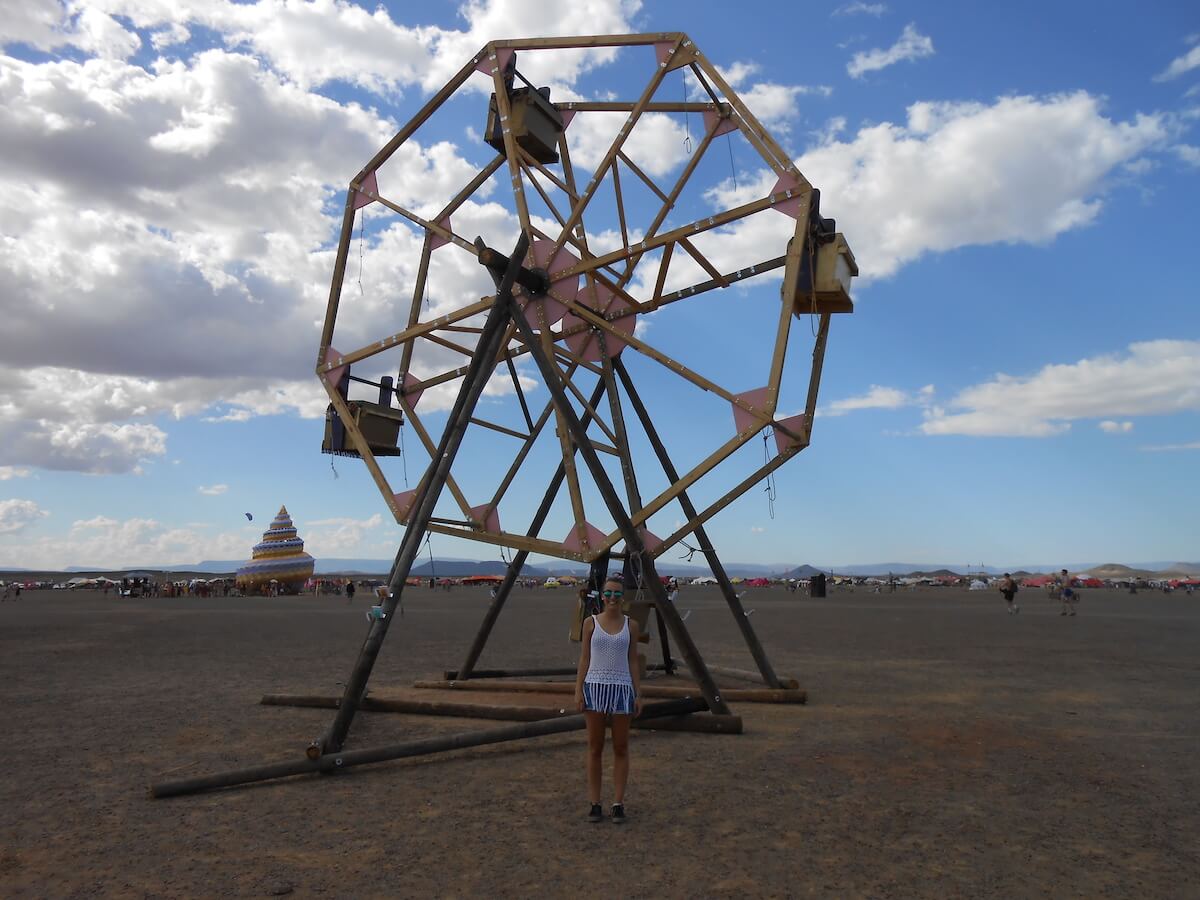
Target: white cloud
879, 397
757, 529
1110, 427
946, 180
50, 25
10, 472
17, 515
341, 536
1152, 378
857, 7
736, 73
775, 104
1180, 65
1188, 153
910, 45
1020, 170
103, 542
214, 490
1168, 448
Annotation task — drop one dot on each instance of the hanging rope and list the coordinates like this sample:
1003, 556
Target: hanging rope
332, 469
692, 551
732, 169
403, 456
362, 228
429, 547
687, 127
770, 485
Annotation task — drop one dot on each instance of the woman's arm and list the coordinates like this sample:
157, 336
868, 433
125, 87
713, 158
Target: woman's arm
635, 670
585, 660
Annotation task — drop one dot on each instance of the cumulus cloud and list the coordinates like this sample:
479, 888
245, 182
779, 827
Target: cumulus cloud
1151, 378
17, 515
1180, 65
1169, 448
909, 46
776, 104
213, 490
9, 472
859, 8
1110, 427
1019, 170
104, 542
341, 536
879, 397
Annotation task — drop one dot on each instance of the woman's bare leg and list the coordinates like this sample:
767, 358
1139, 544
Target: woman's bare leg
595, 752
620, 737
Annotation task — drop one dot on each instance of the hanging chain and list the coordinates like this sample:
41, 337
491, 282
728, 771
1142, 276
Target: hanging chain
770, 482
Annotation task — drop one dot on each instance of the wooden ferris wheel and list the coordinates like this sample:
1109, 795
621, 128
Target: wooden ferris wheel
599, 248
578, 306
568, 299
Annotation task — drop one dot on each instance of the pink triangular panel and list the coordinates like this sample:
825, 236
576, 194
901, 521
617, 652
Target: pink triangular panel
412, 397
793, 423
561, 291
789, 206
567, 116
585, 344
662, 51
369, 186
651, 541
713, 119
334, 375
488, 515
743, 420
595, 539
404, 501
487, 64
435, 239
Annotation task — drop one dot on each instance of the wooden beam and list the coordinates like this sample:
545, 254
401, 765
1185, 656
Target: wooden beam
750, 695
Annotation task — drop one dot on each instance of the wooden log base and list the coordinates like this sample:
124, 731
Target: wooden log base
452, 674
749, 695
790, 684
328, 763
707, 724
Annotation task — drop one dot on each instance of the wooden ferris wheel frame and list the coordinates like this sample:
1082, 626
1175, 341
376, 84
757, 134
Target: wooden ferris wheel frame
753, 410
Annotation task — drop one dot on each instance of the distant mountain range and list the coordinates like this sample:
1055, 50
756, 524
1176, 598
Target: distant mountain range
458, 568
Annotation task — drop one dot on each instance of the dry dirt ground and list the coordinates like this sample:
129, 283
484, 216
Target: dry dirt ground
947, 750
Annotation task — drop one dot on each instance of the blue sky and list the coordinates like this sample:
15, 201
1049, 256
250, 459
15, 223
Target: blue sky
1019, 383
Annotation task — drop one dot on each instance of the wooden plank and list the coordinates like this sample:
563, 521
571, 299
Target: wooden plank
610, 155
723, 109
408, 334
749, 695
594, 40
703, 261
642, 175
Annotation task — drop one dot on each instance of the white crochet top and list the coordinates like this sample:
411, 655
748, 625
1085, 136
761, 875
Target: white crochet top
610, 656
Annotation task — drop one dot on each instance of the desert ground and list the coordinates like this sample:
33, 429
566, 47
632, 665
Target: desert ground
947, 750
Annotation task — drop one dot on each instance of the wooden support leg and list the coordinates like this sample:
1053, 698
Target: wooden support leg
633, 540
664, 638
731, 598
473, 384
518, 561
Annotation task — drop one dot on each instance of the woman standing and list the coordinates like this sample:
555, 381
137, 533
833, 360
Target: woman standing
606, 690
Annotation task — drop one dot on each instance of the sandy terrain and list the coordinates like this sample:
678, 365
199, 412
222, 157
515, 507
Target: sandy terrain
947, 750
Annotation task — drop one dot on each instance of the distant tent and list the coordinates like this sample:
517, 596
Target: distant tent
483, 579
978, 585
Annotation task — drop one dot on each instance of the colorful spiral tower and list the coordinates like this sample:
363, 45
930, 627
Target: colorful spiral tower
279, 557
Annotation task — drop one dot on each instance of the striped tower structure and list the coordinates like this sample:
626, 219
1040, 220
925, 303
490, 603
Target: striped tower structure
278, 557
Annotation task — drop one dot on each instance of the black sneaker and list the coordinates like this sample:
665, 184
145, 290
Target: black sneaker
618, 814
595, 814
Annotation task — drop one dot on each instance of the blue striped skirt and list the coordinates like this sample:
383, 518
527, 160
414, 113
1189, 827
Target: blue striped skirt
608, 698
